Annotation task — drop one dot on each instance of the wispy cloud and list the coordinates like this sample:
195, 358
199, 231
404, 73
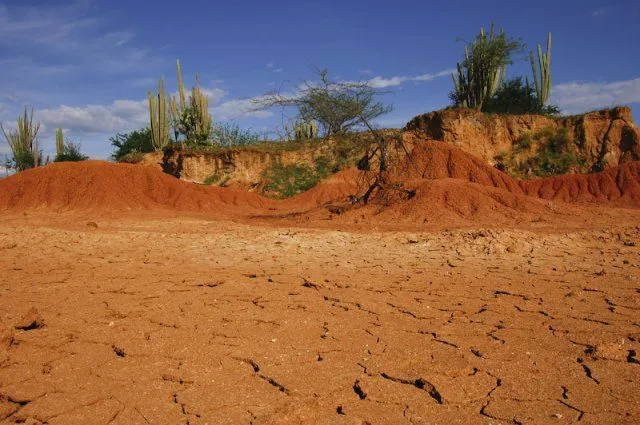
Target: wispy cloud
578, 97
271, 66
77, 41
381, 82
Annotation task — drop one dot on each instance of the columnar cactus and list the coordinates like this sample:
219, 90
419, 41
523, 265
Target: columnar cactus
479, 75
59, 142
305, 129
191, 116
159, 117
542, 72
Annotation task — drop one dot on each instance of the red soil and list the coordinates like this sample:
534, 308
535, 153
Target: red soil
619, 186
104, 187
448, 183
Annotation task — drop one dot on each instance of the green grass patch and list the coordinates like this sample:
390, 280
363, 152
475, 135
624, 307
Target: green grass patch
547, 152
284, 181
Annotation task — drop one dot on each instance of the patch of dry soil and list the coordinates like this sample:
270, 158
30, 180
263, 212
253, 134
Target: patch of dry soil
196, 322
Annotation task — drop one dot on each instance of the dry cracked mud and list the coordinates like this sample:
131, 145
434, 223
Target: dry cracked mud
196, 322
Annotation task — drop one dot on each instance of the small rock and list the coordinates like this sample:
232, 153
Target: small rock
119, 351
92, 224
617, 351
31, 320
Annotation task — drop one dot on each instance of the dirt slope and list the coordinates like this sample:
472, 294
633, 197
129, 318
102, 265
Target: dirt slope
100, 186
449, 184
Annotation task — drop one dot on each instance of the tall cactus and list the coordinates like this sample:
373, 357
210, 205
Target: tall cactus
482, 69
23, 142
159, 116
59, 142
190, 116
542, 72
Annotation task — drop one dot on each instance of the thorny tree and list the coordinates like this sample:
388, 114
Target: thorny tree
338, 106
383, 157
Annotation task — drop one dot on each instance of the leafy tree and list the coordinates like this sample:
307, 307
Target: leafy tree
482, 68
138, 141
517, 97
337, 106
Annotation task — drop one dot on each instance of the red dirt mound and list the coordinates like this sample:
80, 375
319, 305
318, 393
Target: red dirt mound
437, 160
101, 186
449, 201
616, 186
619, 186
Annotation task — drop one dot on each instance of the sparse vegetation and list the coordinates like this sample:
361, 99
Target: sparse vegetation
547, 152
285, 181
228, 135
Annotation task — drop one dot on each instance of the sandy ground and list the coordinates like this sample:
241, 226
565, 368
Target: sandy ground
185, 321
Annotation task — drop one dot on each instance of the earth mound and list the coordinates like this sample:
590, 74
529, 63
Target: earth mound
100, 186
444, 185
617, 186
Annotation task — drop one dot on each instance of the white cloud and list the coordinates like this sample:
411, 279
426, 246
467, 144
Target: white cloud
380, 82
238, 108
127, 115
581, 97
430, 77
120, 116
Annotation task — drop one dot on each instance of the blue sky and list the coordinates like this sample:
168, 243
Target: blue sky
87, 65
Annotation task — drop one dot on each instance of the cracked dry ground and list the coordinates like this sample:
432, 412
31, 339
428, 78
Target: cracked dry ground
221, 322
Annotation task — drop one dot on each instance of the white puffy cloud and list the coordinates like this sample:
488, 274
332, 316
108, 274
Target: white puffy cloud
120, 116
577, 97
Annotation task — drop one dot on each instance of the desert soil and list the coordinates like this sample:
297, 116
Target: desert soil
192, 321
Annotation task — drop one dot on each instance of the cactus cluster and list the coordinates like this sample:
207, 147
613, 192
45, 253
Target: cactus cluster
305, 129
479, 76
542, 72
23, 142
159, 117
190, 116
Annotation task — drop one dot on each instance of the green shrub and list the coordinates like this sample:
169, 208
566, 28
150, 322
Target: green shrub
549, 162
553, 155
524, 143
136, 142
70, 152
285, 181
515, 97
